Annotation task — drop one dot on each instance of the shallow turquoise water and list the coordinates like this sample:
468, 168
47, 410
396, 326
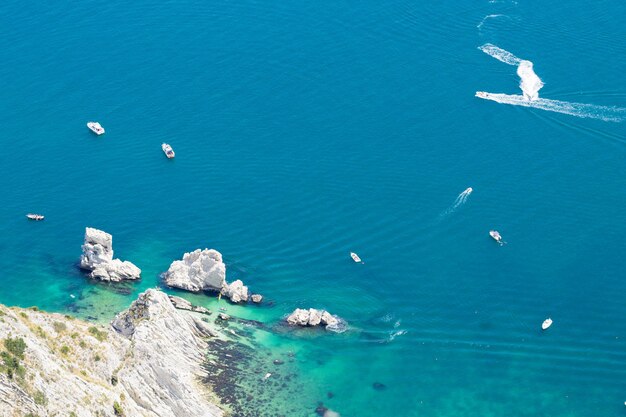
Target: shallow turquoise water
307, 130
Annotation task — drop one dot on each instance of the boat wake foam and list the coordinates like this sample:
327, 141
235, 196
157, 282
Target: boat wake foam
591, 111
490, 16
460, 200
530, 84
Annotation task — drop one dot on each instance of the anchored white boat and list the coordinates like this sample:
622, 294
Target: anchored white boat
95, 127
167, 149
36, 217
355, 257
496, 236
546, 323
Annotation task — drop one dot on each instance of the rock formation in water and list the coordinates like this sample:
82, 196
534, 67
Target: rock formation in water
182, 304
97, 257
204, 270
311, 318
149, 365
236, 291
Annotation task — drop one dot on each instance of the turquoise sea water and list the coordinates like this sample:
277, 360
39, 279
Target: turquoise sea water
306, 130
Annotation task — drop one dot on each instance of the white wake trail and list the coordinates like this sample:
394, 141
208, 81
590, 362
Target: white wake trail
459, 201
591, 111
491, 16
530, 83
500, 54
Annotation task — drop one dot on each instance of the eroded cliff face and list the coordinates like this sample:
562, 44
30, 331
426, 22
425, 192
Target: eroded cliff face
147, 364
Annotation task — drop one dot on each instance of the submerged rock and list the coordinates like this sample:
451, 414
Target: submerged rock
97, 257
379, 386
312, 318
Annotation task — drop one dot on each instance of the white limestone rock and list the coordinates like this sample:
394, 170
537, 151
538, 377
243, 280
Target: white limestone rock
156, 363
299, 317
313, 317
97, 257
328, 319
236, 291
200, 270
168, 350
256, 298
180, 303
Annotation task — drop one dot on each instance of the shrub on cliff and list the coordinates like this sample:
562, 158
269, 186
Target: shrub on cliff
16, 346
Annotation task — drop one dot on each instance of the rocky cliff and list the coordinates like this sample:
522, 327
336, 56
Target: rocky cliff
147, 364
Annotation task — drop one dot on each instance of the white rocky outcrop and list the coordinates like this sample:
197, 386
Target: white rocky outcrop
150, 363
236, 291
97, 257
312, 317
204, 270
168, 348
200, 270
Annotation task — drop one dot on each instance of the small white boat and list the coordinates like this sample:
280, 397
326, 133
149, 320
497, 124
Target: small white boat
496, 236
482, 94
36, 217
355, 257
546, 323
167, 149
267, 375
95, 127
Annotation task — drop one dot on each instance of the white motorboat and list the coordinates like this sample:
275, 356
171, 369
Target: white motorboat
167, 149
95, 127
355, 257
496, 236
482, 94
36, 217
546, 323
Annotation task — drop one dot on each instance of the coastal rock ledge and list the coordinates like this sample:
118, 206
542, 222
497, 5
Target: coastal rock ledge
149, 364
204, 270
97, 257
312, 318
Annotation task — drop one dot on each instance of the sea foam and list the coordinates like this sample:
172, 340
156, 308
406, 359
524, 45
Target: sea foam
530, 84
592, 111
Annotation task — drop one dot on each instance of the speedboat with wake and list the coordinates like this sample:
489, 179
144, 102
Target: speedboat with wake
496, 236
167, 149
355, 257
95, 127
546, 323
482, 94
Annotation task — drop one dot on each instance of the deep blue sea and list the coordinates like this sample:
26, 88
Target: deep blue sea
305, 130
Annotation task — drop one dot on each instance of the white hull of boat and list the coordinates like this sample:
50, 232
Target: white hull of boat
168, 151
355, 257
96, 128
546, 324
